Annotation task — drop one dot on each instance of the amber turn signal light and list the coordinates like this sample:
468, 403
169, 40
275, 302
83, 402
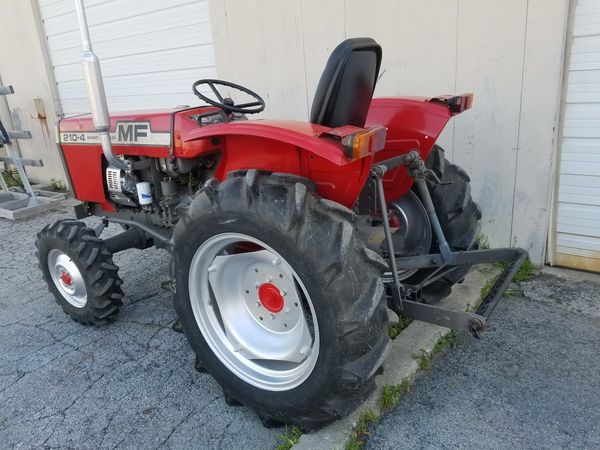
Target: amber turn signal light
360, 144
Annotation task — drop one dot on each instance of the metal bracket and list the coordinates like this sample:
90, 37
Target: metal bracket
24, 161
19, 134
445, 261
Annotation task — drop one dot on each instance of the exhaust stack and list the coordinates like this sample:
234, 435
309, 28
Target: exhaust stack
95, 90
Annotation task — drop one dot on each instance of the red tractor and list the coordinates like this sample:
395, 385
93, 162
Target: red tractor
289, 240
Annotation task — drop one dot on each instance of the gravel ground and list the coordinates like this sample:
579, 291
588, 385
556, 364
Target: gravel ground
128, 384
533, 381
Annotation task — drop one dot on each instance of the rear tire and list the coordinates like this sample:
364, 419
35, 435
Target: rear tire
79, 271
338, 279
459, 217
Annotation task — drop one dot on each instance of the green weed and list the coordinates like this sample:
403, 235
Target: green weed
288, 438
390, 395
395, 329
361, 429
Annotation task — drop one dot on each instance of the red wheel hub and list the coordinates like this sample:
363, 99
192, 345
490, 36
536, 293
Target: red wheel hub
66, 278
270, 297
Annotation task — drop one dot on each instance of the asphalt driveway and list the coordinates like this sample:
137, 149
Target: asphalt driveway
129, 384
533, 381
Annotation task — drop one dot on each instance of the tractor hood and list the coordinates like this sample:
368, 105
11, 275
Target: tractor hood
147, 128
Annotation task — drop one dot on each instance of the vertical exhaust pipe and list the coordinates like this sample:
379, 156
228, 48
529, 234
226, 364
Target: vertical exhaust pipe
95, 91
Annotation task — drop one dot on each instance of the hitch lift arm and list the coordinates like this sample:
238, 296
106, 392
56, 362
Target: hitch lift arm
445, 261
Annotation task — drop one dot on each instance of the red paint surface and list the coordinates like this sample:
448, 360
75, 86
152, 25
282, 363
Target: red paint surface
293, 147
412, 123
66, 278
270, 297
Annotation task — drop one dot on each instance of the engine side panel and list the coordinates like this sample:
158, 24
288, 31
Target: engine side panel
144, 133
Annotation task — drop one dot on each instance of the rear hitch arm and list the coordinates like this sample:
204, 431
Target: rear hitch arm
445, 261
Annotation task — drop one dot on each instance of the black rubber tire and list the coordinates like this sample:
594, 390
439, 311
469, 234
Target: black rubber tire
318, 237
100, 274
459, 217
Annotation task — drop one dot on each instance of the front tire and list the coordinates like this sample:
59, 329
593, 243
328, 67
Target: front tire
79, 271
272, 232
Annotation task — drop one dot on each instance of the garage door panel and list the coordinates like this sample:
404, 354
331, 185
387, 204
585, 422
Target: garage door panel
568, 211
113, 13
577, 239
157, 41
143, 63
584, 199
150, 51
579, 145
170, 19
585, 7
592, 157
164, 82
580, 229
57, 8
80, 106
580, 191
590, 224
582, 245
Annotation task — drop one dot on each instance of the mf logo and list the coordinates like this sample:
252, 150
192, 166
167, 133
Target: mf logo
132, 131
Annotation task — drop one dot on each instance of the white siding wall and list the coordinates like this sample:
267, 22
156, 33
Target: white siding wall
509, 53
32, 107
578, 213
151, 51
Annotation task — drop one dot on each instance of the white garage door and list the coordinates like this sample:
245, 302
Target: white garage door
578, 215
151, 51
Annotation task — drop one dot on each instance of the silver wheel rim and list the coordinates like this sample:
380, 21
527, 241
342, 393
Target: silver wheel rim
238, 316
67, 278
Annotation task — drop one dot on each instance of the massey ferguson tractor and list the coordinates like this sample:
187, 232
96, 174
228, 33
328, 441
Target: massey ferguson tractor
289, 240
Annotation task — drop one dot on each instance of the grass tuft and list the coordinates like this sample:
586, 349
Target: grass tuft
11, 180
424, 357
58, 185
482, 241
390, 395
288, 438
485, 289
395, 329
367, 417
526, 272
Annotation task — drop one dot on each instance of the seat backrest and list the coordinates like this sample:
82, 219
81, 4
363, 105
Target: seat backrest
346, 86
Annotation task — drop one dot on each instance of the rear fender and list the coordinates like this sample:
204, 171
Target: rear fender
412, 123
298, 148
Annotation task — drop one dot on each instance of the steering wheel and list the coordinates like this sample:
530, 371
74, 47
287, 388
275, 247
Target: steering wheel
226, 103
